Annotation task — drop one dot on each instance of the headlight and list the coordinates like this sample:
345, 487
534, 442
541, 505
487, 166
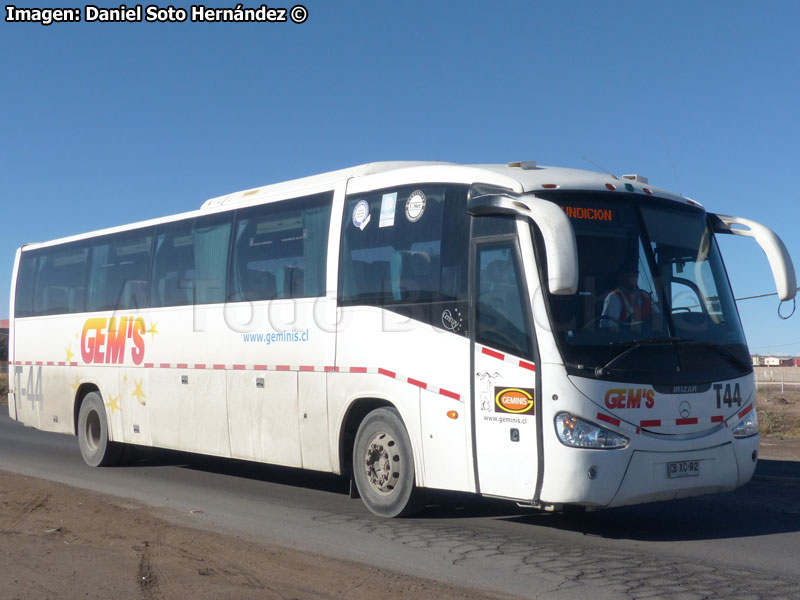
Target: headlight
578, 433
747, 426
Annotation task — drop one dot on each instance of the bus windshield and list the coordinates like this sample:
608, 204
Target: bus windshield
654, 302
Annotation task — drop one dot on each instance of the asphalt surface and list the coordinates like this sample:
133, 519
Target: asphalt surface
745, 544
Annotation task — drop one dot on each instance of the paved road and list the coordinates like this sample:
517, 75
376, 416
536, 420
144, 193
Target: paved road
744, 544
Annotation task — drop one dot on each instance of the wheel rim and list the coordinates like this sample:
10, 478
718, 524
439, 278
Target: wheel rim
382, 463
92, 430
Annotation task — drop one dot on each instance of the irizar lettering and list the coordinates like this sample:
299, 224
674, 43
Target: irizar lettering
684, 389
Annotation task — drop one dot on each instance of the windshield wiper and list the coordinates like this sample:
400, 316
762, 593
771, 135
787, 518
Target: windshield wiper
603, 371
730, 354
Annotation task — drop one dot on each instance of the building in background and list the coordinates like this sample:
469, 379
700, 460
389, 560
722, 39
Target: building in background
760, 360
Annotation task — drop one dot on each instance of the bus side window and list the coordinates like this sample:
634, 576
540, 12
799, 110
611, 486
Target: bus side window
280, 249
23, 297
500, 313
190, 262
60, 277
405, 249
118, 276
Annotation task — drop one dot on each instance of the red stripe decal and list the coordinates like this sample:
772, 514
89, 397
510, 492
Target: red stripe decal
49, 363
527, 365
493, 354
744, 411
450, 394
418, 383
608, 419
717, 419
638, 431
650, 423
328, 369
690, 421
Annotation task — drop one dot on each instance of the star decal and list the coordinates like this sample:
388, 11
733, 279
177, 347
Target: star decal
124, 378
113, 404
70, 353
137, 391
153, 331
75, 385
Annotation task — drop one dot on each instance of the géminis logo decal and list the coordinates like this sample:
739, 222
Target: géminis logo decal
514, 400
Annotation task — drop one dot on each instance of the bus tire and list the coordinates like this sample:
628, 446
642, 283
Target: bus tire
97, 450
383, 465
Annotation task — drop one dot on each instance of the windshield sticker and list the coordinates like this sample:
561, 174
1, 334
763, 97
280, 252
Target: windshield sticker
415, 206
630, 398
514, 400
388, 205
589, 214
361, 214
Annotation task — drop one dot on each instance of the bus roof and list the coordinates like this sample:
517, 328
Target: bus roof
520, 177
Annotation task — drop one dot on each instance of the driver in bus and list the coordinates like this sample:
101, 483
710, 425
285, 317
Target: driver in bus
627, 304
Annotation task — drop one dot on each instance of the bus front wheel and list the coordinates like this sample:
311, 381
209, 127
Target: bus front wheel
97, 450
383, 465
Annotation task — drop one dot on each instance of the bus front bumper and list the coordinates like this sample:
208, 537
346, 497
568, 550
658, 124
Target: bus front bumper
654, 476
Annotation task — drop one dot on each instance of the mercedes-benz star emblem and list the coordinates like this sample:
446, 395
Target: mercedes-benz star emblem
685, 409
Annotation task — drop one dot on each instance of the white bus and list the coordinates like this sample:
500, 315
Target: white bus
545, 335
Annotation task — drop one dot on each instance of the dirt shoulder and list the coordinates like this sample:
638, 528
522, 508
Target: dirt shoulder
61, 542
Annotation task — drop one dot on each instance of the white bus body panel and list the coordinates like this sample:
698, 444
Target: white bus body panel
637, 473
421, 371
12, 394
208, 383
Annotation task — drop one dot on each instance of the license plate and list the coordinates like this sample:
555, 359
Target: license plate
683, 468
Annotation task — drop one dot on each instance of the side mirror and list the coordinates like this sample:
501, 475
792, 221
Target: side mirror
559, 238
778, 256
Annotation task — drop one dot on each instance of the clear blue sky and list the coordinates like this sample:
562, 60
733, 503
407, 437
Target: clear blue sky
104, 124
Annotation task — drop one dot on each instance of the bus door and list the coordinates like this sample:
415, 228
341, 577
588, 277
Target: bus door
504, 402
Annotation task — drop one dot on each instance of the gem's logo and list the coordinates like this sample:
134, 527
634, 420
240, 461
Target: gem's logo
630, 398
513, 400
104, 340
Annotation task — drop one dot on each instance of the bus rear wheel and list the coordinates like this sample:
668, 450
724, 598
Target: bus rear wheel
97, 450
383, 465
